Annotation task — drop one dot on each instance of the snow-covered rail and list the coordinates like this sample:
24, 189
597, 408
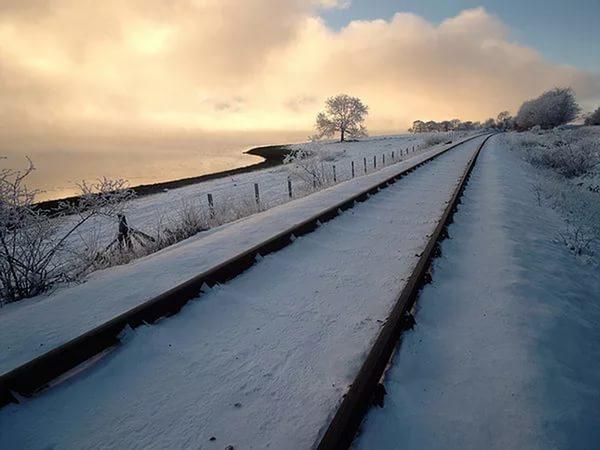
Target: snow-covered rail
28, 378
263, 360
366, 388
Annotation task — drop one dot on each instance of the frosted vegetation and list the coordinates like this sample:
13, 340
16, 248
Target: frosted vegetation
34, 254
568, 182
344, 115
551, 109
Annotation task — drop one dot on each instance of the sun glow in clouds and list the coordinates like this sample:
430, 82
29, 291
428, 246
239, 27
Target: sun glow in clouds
265, 65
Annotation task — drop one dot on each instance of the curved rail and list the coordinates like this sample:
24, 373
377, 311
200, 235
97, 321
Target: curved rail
36, 374
365, 388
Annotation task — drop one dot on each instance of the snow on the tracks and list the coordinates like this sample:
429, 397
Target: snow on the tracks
505, 353
32, 327
261, 361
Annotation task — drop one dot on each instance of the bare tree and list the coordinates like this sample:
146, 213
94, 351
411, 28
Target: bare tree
551, 109
344, 115
34, 244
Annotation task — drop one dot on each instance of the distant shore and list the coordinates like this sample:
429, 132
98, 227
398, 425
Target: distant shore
273, 155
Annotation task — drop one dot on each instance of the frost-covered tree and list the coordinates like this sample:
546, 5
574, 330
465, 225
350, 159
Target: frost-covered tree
489, 123
344, 115
504, 121
34, 251
551, 109
418, 126
593, 118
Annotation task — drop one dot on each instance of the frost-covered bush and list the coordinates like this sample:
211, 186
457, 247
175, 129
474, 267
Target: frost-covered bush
551, 109
593, 118
186, 219
308, 163
570, 161
580, 209
436, 139
442, 138
571, 153
34, 245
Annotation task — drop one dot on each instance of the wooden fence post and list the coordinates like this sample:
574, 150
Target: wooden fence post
211, 205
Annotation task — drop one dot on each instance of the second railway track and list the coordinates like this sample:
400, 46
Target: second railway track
285, 331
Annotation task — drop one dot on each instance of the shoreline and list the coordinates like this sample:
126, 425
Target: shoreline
273, 155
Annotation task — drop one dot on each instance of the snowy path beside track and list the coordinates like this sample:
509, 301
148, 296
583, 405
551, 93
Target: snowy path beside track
263, 360
506, 350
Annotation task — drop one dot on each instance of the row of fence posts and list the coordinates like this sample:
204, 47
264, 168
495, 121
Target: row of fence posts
211, 205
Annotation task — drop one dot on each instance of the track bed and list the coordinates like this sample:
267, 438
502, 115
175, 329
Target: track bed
263, 360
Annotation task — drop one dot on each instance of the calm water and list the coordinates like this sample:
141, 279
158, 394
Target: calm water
62, 163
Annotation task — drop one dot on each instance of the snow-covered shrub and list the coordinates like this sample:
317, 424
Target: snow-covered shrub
580, 209
570, 160
593, 118
185, 220
443, 137
551, 109
34, 250
231, 208
309, 164
569, 153
436, 139
567, 159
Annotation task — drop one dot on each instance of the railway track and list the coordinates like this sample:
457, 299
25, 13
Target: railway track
366, 387
60, 362
37, 374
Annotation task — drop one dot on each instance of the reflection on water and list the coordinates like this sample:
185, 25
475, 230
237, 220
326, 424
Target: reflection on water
61, 165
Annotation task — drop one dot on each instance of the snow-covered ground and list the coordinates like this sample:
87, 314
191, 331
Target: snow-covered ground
27, 332
174, 215
567, 179
506, 350
261, 361
148, 213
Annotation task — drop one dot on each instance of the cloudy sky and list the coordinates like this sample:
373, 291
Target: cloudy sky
130, 66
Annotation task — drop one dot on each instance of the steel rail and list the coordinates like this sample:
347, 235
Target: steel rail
366, 387
35, 375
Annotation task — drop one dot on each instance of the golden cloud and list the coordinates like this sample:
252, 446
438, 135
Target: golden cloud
77, 65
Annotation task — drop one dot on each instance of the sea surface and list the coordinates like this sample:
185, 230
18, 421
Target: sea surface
62, 163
